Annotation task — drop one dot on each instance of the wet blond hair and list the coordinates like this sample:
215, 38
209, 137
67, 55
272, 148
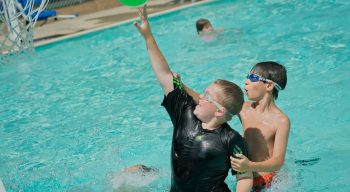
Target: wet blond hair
230, 96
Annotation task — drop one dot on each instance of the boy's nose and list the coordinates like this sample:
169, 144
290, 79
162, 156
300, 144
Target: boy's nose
201, 98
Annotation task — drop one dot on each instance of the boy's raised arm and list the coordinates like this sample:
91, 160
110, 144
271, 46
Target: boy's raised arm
189, 91
158, 62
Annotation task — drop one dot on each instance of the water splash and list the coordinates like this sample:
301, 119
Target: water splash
131, 181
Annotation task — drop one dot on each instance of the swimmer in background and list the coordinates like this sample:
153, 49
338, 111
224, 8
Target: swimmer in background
206, 31
135, 178
142, 169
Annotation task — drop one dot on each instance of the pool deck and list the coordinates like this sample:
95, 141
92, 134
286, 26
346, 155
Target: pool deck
96, 20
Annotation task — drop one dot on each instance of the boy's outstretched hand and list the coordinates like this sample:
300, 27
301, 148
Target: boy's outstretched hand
144, 28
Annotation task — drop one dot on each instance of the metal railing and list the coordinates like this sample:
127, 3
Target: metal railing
55, 4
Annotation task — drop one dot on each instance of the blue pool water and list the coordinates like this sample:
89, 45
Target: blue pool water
83, 109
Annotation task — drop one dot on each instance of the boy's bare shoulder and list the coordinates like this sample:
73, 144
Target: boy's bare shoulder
282, 119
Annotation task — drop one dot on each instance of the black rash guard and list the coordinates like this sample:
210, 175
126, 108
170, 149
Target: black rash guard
199, 157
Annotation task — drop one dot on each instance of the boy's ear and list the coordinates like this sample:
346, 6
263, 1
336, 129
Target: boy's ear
220, 112
269, 86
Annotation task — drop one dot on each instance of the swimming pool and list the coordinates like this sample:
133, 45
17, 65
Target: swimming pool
87, 107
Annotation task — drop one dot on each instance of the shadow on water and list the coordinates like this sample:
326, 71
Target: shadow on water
307, 162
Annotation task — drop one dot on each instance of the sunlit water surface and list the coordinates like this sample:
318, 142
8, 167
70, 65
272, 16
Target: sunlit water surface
83, 109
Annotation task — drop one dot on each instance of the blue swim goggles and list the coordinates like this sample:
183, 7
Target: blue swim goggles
255, 78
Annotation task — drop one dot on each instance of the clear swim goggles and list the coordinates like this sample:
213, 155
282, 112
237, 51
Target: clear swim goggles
255, 78
207, 97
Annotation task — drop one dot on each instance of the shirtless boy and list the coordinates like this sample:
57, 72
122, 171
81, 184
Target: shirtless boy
265, 126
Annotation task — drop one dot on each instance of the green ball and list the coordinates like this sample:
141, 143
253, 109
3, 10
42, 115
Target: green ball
133, 2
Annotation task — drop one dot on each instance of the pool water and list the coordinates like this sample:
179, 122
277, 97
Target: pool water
83, 109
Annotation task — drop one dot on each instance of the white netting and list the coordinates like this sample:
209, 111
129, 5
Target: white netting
17, 21
56, 4
18, 18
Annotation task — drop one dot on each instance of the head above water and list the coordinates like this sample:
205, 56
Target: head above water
274, 72
221, 95
231, 96
203, 25
139, 168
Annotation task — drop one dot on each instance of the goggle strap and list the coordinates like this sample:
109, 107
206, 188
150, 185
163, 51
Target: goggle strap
277, 86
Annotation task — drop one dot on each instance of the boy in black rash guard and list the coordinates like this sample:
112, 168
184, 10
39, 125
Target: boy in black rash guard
202, 139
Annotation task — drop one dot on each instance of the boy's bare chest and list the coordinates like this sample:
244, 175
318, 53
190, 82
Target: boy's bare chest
258, 127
